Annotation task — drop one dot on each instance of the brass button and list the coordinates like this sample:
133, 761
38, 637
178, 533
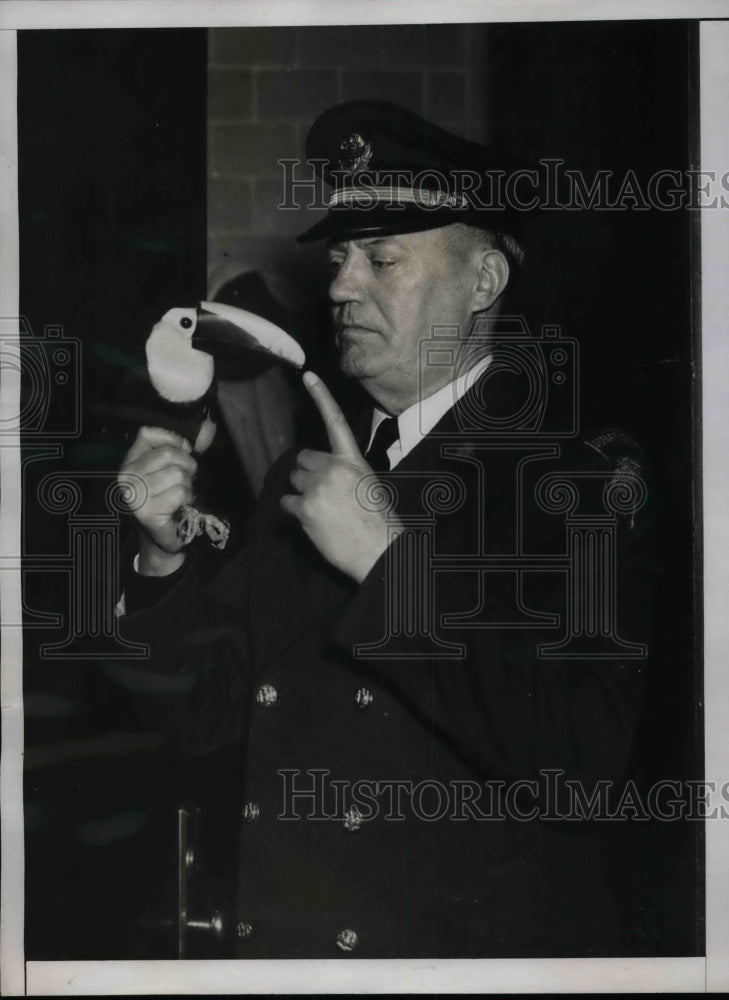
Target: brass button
266, 695
364, 698
352, 819
347, 940
243, 929
251, 812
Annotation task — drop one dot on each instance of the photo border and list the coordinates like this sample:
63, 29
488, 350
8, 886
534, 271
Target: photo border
378, 976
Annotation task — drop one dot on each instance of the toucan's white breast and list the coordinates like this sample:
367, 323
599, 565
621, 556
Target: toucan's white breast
179, 373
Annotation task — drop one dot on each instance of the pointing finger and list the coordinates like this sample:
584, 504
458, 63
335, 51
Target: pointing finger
341, 438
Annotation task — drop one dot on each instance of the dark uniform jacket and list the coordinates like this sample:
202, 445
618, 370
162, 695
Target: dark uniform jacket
391, 729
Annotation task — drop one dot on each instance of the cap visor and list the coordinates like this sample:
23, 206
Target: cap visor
348, 224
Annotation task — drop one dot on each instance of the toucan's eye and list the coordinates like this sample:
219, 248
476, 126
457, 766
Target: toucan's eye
185, 322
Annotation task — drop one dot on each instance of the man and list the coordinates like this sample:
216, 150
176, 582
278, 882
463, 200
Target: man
392, 647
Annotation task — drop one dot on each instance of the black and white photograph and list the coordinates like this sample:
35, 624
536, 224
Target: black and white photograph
362, 500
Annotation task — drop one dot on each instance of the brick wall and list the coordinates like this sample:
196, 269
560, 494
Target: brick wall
266, 86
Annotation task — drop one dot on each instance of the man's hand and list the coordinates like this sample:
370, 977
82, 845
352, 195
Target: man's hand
163, 462
349, 537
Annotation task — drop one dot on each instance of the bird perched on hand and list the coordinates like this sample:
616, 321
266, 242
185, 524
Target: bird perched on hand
183, 353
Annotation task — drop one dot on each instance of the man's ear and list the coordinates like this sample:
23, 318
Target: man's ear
493, 277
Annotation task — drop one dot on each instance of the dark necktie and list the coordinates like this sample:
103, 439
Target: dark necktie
385, 435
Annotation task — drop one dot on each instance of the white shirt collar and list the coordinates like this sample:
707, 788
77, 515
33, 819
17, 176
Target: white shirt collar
419, 419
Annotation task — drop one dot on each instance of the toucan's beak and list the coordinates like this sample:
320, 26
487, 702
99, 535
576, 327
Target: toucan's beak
220, 337
228, 332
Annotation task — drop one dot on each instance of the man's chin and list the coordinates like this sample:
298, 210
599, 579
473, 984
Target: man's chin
358, 364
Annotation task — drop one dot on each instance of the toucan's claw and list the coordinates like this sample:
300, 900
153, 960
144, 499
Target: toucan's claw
191, 523
217, 530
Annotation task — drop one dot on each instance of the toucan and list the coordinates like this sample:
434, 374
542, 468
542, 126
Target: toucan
183, 352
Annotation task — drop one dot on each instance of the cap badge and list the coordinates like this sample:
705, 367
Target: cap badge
354, 153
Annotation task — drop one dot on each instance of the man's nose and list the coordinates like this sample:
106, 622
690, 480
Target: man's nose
347, 283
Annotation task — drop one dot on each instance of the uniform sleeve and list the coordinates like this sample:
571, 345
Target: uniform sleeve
502, 705
194, 686
191, 688
139, 591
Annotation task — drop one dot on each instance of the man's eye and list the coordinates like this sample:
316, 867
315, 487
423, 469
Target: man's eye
380, 264
334, 265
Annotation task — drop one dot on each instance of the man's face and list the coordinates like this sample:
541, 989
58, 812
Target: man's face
388, 295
